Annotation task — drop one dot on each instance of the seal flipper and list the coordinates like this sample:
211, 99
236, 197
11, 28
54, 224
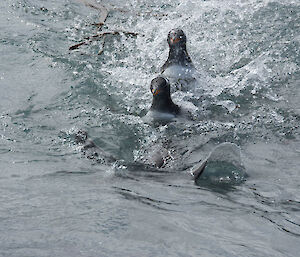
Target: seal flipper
223, 166
178, 54
158, 159
197, 170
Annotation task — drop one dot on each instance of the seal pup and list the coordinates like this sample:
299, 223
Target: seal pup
179, 66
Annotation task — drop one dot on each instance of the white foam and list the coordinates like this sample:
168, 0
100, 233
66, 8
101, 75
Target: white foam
154, 115
180, 72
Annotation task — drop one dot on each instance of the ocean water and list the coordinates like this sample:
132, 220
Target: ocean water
57, 202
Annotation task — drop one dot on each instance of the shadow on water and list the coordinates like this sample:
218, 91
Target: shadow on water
221, 188
136, 171
135, 196
68, 173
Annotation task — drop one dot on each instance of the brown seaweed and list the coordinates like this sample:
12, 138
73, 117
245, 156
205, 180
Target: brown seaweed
104, 12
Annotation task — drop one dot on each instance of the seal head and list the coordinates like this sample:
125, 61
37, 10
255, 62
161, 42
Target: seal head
178, 54
162, 101
176, 37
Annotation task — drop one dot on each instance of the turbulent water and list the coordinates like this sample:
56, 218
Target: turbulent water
57, 202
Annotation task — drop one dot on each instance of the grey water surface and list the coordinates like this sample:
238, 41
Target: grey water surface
56, 202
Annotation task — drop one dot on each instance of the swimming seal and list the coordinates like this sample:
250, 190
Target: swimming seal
178, 54
179, 66
162, 101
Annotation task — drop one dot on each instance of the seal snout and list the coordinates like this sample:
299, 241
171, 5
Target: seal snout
176, 36
159, 86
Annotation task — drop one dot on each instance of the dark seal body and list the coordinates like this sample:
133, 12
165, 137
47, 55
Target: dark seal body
179, 68
162, 101
178, 54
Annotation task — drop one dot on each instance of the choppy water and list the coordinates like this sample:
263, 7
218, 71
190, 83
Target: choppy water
57, 202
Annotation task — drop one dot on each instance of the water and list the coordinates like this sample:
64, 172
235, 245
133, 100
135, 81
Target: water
57, 202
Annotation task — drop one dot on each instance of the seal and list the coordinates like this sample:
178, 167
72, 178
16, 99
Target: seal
159, 154
163, 109
162, 101
179, 65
